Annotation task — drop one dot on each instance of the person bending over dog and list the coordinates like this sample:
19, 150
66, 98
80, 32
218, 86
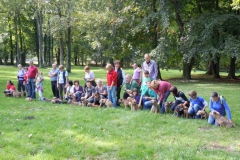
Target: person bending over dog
180, 98
218, 104
196, 103
162, 89
146, 100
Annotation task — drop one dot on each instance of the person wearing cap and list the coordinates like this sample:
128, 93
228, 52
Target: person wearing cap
219, 105
196, 103
32, 76
162, 88
137, 73
101, 89
120, 79
150, 66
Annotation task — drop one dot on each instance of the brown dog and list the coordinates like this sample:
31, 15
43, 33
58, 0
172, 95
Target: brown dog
84, 101
221, 120
203, 114
72, 102
17, 94
105, 102
125, 102
155, 107
168, 106
56, 100
185, 111
134, 105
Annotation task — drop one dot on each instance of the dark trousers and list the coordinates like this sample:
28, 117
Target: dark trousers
21, 87
55, 89
118, 90
61, 90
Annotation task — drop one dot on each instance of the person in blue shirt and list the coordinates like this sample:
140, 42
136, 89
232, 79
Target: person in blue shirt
53, 76
218, 103
196, 103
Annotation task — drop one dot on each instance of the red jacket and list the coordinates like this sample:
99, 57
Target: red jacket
32, 71
10, 87
112, 77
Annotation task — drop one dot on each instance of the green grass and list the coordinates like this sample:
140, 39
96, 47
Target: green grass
72, 132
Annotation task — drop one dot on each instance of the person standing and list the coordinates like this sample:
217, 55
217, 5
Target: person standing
62, 81
137, 73
53, 76
162, 88
150, 66
89, 76
32, 73
20, 77
120, 79
112, 77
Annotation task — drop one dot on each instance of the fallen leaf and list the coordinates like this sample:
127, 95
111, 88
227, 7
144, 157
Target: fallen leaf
30, 135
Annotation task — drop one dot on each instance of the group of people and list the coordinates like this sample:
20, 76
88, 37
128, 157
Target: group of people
142, 85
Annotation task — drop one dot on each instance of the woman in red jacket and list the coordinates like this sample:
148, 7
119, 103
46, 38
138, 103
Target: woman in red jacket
9, 88
111, 84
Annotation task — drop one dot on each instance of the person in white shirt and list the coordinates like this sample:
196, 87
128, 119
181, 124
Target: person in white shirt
62, 81
89, 77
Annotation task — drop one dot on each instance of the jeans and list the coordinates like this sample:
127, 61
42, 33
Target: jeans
162, 107
146, 104
55, 89
20, 86
194, 109
78, 97
112, 95
31, 88
211, 120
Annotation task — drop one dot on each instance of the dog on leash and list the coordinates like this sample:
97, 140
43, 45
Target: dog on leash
17, 94
134, 105
168, 106
56, 100
84, 101
105, 102
185, 111
203, 114
154, 108
221, 120
178, 111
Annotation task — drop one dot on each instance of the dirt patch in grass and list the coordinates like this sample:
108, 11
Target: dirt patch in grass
216, 145
204, 128
29, 118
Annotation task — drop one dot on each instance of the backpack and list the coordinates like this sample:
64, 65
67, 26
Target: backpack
221, 97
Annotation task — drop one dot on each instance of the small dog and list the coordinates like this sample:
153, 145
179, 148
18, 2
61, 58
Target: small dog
105, 102
84, 101
185, 111
124, 102
178, 111
155, 107
221, 120
72, 102
17, 94
168, 106
133, 104
28, 99
56, 100
203, 114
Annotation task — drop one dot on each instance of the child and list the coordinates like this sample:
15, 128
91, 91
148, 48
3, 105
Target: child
145, 80
9, 88
39, 85
136, 96
25, 82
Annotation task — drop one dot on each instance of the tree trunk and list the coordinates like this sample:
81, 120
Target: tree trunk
40, 37
210, 70
231, 74
16, 38
187, 68
11, 42
36, 38
216, 68
61, 40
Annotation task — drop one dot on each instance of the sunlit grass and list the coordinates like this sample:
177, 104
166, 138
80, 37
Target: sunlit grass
73, 132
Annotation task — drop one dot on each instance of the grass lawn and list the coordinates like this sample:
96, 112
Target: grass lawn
41, 130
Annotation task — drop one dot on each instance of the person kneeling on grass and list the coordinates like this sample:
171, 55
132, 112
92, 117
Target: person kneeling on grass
196, 103
146, 97
96, 100
69, 90
89, 92
9, 88
218, 103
